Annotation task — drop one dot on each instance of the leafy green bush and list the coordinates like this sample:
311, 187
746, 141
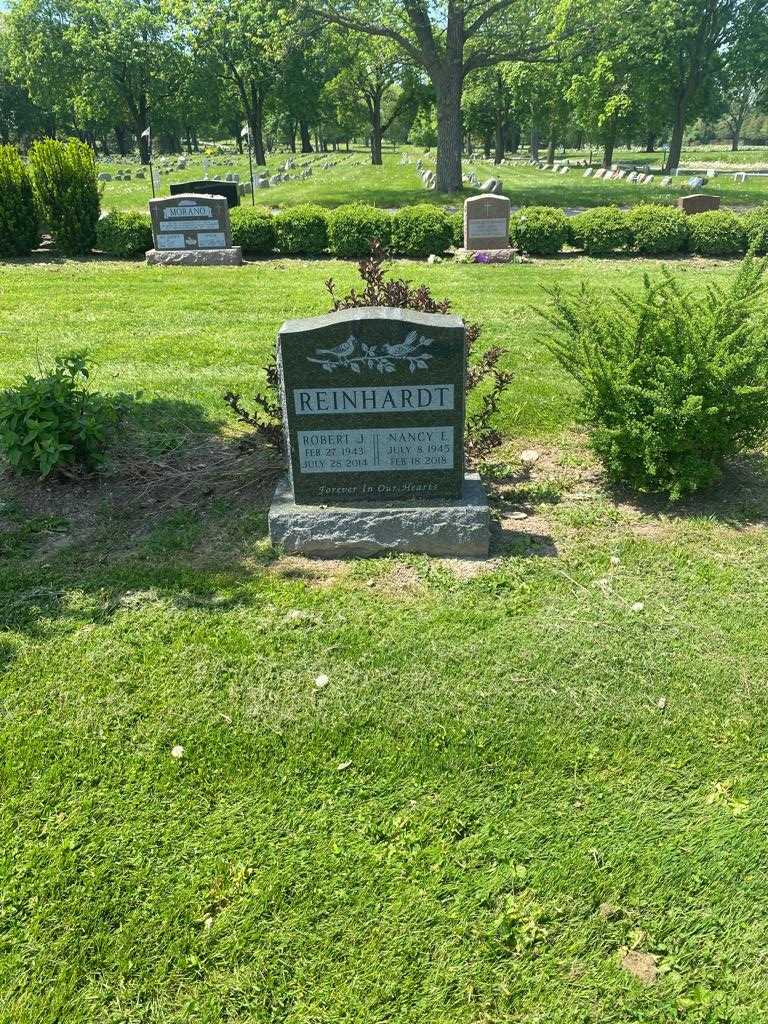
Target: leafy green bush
64, 176
539, 230
457, 227
716, 233
657, 230
600, 231
673, 382
19, 223
254, 230
353, 229
756, 228
52, 422
302, 230
124, 234
421, 230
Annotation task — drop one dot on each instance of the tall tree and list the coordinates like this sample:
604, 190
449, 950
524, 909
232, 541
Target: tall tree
450, 39
375, 81
691, 35
246, 42
745, 71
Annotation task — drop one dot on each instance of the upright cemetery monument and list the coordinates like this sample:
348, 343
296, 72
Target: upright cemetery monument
208, 187
373, 411
192, 230
486, 222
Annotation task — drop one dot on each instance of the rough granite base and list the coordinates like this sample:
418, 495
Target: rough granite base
458, 528
231, 257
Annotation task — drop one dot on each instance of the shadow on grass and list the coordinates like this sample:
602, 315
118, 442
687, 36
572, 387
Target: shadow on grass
738, 499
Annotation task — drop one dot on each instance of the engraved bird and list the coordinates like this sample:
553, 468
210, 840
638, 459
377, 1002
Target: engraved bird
346, 348
409, 343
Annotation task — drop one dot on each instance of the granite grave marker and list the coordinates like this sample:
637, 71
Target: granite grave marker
373, 410
192, 229
486, 222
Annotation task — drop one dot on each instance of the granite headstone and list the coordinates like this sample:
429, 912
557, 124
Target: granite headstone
192, 229
373, 403
207, 187
486, 222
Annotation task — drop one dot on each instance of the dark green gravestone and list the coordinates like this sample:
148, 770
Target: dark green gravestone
373, 404
209, 187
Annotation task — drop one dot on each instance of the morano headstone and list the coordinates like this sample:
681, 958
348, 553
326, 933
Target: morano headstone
373, 411
192, 230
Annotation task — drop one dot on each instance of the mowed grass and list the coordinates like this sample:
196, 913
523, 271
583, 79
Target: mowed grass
511, 777
394, 184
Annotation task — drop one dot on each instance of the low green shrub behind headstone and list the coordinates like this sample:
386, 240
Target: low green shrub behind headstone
716, 233
124, 233
19, 222
756, 227
253, 229
67, 190
539, 230
302, 230
657, 230
421, 230
352, 229
600, 231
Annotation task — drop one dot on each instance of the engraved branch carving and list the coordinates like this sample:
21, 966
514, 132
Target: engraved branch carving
353, 354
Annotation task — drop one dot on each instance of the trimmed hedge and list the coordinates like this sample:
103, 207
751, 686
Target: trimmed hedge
716, 233
302, 230
600, 231
124, 233
253, 229
19, 221
457, 226
352, 229
539, 230
657, 230
64, 178
756, 227
421, 230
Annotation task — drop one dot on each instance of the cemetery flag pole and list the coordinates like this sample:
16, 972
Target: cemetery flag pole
147, 134
246, 134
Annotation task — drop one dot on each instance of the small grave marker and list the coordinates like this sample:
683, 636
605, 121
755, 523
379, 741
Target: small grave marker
486, 222
698, 203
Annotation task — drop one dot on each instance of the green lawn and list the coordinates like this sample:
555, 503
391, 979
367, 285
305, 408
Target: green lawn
395, 184
516, 774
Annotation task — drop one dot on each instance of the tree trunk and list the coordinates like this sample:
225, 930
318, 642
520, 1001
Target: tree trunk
374, 109
735, 135
188, 134
487, 146
449, 89
678, 128
256, 125
514, 139
306, 141
609, 145
498, 155
650, 143
105, 144
534, 141
121, 140
552, 145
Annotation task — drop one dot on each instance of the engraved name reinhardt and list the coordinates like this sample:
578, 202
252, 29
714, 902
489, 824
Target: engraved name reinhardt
427, 397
